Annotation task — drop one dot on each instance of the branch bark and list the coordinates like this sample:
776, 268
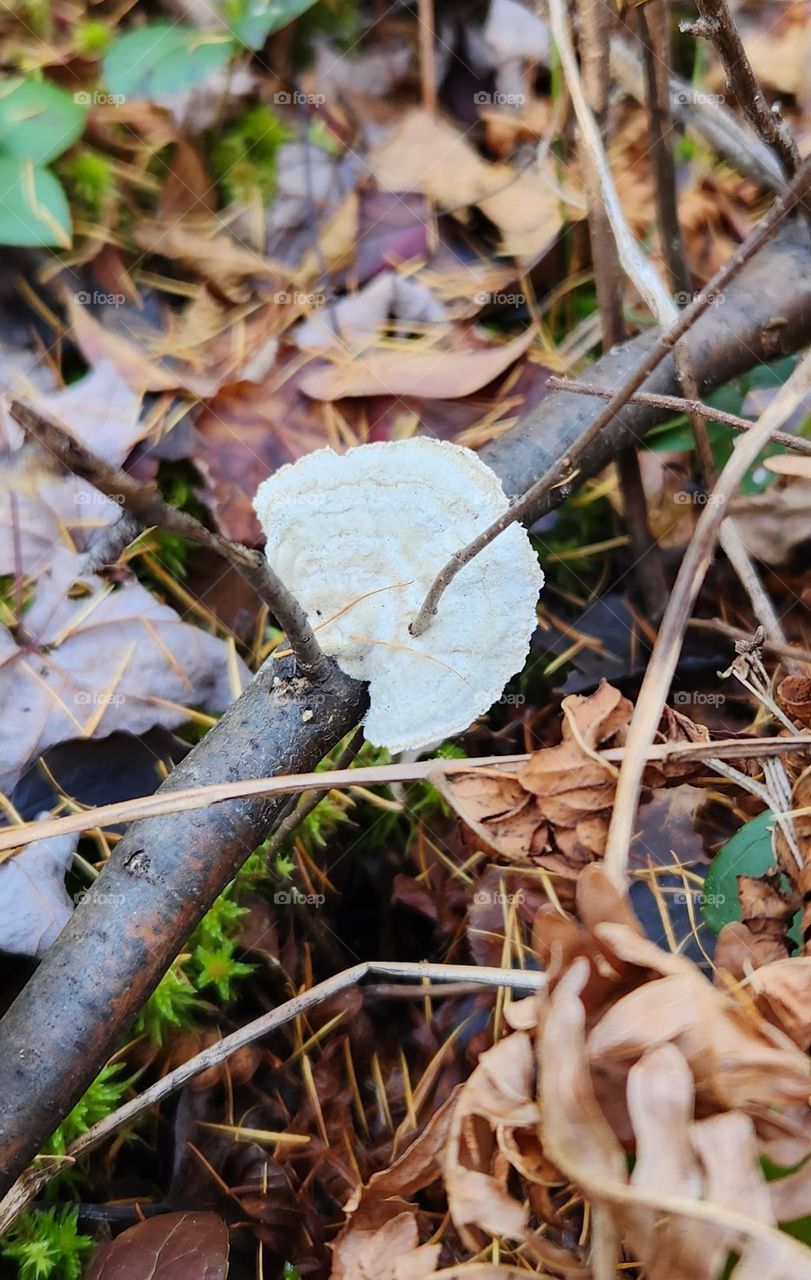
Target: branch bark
166, 871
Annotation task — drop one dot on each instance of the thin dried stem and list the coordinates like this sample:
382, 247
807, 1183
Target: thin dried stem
594, 44
35, 1178
665, 656
185, 799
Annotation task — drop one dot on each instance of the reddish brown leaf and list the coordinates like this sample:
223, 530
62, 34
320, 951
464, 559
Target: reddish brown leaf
172, 1246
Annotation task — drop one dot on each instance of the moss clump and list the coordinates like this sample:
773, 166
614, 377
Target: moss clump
243, 158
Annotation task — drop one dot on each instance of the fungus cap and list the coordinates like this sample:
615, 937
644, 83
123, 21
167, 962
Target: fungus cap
359, 537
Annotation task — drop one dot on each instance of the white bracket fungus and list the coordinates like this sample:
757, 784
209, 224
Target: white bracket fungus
359, 537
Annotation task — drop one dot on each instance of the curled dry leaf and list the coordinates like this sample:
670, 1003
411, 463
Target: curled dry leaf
794, 696
427, 154
553, 812
395, 513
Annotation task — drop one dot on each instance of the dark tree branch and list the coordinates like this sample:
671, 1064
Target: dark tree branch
165, 872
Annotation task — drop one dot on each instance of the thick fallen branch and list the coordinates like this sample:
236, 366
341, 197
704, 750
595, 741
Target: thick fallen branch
167, 870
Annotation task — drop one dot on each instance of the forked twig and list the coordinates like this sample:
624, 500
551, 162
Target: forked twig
146, 505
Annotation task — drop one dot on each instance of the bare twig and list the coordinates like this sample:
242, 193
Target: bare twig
31, 1182
187, 799
679, 405
717, 25
561, 474
779, 649
146, 505
664, 658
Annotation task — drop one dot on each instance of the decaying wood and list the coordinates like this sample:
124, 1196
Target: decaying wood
165, 872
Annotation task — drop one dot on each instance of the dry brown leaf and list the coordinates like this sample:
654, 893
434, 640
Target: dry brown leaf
374, 1206
794, 696
783, 995
427, 154
498, 1097
408, 368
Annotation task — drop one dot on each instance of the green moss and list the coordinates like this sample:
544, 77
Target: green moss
92, 38
88, 177
47, 1245
243, 158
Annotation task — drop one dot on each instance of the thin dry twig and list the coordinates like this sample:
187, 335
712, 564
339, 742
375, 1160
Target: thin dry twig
665, 655
35, 1177
680, 405
185, 799
145, 504
562, 473
717, 25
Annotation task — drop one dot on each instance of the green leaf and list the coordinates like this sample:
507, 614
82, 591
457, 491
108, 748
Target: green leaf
161, 58
254, 20
33, 206
38, 121
748, 853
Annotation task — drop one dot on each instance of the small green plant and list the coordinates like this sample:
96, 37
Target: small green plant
243, 159
47, 1245
38, 122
